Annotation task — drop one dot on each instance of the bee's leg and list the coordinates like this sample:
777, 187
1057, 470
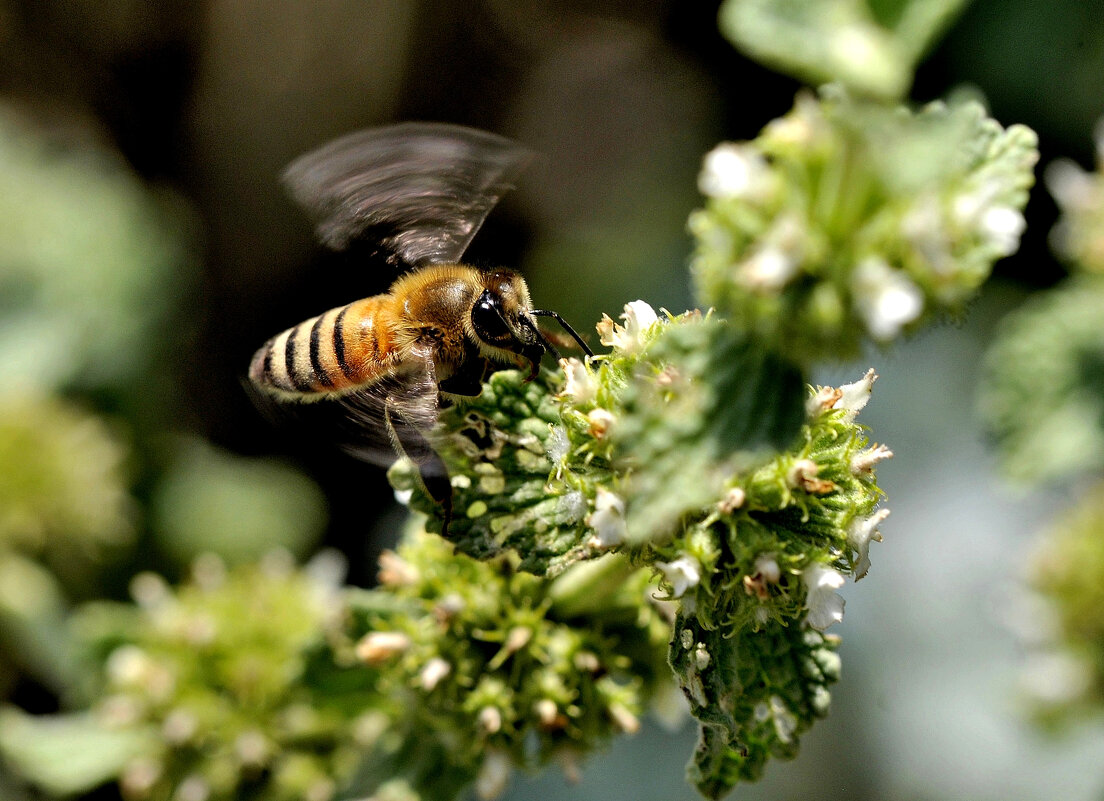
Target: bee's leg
468, 380
410, 442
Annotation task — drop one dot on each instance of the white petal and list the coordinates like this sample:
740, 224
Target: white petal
859, 535
885, 298
855, 396
824, 604
494, 775
580, 386
607, 519
1002, 226
733, 171
682, 573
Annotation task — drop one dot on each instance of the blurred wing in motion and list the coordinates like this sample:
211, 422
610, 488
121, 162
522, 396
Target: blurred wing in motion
418, 191
377, 423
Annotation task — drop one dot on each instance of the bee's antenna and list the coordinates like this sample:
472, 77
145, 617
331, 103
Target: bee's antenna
564, 324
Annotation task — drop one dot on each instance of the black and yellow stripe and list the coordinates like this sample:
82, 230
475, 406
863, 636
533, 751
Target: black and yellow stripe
330, 353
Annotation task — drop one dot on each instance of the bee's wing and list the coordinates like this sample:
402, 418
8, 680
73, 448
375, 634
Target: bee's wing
394, 417
420, 191
378, 423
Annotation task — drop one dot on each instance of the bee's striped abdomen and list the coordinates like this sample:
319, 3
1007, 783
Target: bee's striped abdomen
340, 350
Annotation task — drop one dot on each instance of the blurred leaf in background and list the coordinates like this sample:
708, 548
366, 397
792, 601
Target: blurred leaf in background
91, 262
871, 47
240, 508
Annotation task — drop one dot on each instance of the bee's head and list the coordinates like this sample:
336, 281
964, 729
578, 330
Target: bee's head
503, 320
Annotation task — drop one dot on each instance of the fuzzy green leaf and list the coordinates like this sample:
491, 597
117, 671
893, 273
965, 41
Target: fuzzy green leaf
1043, 392
755, 693
871, 48
719, 406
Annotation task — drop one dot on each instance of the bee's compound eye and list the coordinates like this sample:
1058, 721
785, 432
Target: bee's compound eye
487, 319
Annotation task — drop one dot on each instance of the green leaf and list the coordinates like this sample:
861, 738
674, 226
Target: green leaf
496, 447
1043, 392
68, 754
715, 405
33, 629
871, 48
754, 692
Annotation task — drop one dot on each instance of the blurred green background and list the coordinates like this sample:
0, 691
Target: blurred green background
146, 250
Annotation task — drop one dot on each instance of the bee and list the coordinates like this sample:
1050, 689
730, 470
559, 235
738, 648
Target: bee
416, 194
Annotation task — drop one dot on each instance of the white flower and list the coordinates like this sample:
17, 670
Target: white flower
853, 397
432, 672
490, 719
733, 500
638, 317
580, 386
494, 775
1070, 185
1055, 677
859, 535
701, 656
885, 298
864, 461
769, 268
773, 264
547, 712
734, 171
681, 573
785, 724
179, 726
824, 604
252, 748
192, 788
607, 519
1002, 226
601, 421
377, 647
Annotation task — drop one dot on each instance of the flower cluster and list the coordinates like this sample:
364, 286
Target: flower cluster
226, 686
1064, 673
667, 450
62, 482
1078, 236
495, 669
847, 220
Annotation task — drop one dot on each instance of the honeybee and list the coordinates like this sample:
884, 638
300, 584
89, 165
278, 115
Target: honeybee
417, 193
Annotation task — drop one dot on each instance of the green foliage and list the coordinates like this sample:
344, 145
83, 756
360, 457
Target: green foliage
490, 668
678, 405
677, 448
87, 254
755, 692
225, 686
871, 48
1043, 399
212, 501
1078, 236
63, 483
1043, 394
846, 221
1065, 671
498, 447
